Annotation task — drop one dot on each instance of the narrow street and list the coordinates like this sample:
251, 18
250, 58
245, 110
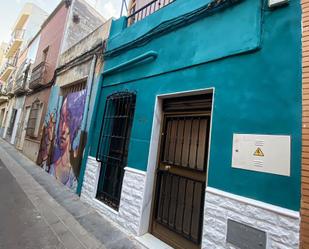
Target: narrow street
154, 124
38, 212
21, 224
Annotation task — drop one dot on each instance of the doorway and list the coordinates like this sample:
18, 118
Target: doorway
180, 180
23, 126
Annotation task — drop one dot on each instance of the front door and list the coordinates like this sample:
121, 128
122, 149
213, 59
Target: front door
181, 176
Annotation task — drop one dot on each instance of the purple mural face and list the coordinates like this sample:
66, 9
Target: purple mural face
65, 166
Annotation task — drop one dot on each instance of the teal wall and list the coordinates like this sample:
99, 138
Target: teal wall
250, 55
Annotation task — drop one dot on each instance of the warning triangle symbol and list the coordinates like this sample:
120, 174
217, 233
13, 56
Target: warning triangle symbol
258, 152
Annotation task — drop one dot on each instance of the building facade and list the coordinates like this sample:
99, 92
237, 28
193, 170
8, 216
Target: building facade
70, 107
69, 22
25, 28
196, 132
21, 89
42, 75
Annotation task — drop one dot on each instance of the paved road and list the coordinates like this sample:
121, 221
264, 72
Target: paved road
21, 226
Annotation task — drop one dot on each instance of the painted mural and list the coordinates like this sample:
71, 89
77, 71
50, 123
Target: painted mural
47, 142
62, 144
49, 129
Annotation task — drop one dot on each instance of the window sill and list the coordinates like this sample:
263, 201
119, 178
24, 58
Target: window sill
104, 206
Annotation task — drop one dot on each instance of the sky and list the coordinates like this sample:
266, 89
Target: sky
9, 10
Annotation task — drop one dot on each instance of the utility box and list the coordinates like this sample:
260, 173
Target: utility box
262, 153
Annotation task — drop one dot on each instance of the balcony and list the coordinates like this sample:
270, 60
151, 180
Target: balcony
8, 68
3, 93
15, 43
38, 76
19, 87
9, 88
22, 77
151, 7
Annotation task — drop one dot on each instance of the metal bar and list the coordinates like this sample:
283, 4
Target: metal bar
142, 8
184, 205
197, 142
176, 204
192, 205
169, 201
190, 140
183, 139
207, 144
162, 196
176, 139
169, 138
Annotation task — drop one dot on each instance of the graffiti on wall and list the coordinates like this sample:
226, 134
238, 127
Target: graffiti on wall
47, 142
67, 150
49, 130
63, 143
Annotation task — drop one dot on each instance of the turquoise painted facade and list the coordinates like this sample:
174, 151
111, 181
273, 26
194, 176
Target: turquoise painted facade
249, 54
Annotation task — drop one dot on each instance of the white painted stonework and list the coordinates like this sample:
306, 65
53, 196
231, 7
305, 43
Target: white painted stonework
281, 225
131, 202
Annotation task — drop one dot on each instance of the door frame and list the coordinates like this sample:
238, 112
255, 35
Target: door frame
24, 126
154, 150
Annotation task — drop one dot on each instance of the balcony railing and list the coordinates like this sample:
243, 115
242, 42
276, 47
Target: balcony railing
38, 76
15, 43
9, 87
3, 91
9, 64
20, 84
18, 34
22, 77
146, 10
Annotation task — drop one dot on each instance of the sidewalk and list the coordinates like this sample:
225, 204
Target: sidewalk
74, 223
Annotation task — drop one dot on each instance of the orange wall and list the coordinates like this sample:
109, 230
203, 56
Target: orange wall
305, 131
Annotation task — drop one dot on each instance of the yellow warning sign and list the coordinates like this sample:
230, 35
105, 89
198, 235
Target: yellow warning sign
258, 152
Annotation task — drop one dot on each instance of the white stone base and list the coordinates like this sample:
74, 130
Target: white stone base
281, 225
130, 209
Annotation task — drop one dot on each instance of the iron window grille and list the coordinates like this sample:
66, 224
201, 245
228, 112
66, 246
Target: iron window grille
34, 119
74, 88
112, 150
12, 121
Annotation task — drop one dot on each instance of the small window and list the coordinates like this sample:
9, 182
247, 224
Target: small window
34, 119
112, 150
76, 87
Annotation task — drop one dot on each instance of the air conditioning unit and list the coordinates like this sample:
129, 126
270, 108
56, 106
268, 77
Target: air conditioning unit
276, 3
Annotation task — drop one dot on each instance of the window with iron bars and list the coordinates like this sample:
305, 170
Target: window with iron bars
79, 86
34, 119
112, 150
12, 121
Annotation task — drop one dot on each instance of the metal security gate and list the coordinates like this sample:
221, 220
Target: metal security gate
181, 175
